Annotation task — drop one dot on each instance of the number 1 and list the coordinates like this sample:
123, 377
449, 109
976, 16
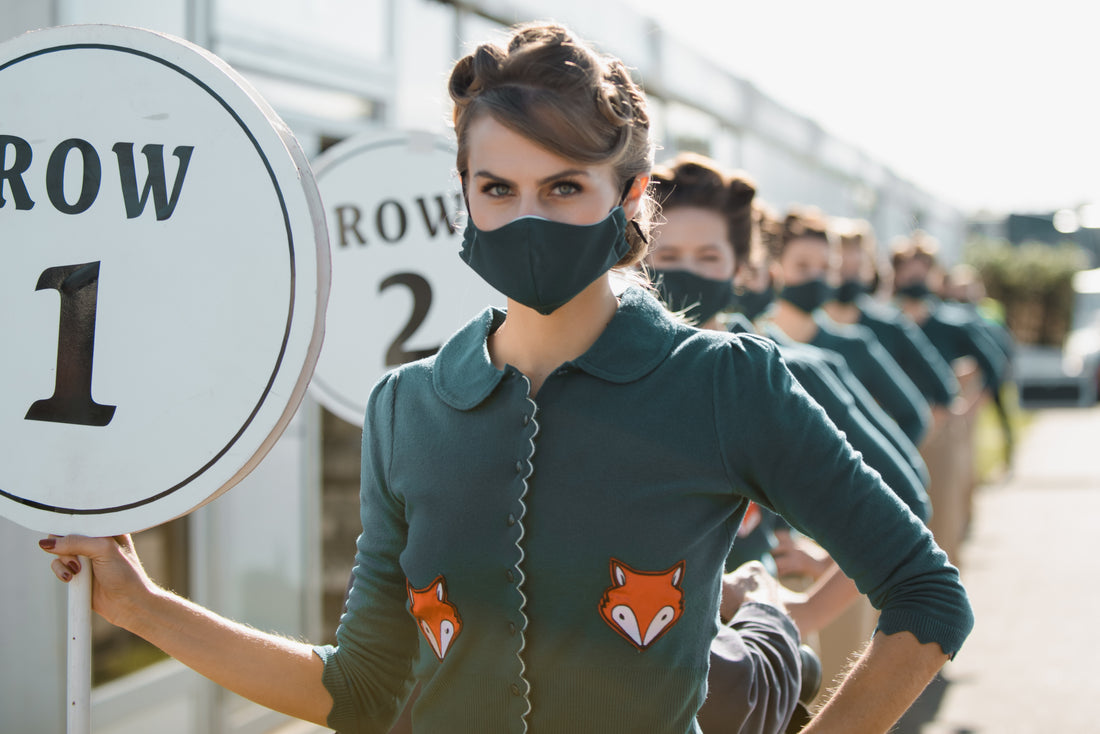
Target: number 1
72, 395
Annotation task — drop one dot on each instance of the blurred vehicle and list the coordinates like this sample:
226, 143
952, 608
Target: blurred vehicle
1067, 376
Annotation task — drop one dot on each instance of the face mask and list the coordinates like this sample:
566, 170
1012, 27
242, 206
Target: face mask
916, 291
544, 264
753, 303
807, 296
698, 297
848, 291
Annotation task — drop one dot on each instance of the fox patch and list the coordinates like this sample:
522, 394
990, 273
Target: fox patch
436, 617
643, 605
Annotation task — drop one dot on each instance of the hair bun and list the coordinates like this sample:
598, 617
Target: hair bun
742, 190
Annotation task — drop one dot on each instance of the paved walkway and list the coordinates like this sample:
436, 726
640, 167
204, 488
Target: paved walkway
1032, 566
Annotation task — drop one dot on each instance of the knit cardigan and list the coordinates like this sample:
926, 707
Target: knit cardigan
554, 564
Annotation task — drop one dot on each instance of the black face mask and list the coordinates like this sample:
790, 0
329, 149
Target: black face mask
544, 264
808, 296
753, 303
915, 291
698, 297
848, 291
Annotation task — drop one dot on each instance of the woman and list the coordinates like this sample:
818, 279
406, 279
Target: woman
535, 496
851, 304
801, 269
756, 293
707, 234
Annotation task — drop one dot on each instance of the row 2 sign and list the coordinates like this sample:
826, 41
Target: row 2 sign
164, 281
399, 289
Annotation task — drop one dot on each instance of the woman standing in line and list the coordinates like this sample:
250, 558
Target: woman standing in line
708, 232
547, 503
801, 271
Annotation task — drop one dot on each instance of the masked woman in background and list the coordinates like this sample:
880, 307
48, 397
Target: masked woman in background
801, 263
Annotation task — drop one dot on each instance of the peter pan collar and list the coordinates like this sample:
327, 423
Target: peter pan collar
636, 340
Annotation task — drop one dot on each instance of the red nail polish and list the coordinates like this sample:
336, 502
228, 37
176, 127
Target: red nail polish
74, 566
47, 544
66, 577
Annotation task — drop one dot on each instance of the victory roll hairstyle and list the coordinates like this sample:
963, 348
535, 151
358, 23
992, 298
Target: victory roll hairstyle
560, 93
692, 180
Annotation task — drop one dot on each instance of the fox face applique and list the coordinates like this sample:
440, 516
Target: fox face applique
751, 520
643, 605
436, 617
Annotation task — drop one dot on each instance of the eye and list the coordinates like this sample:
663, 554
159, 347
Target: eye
495, 189
565, 188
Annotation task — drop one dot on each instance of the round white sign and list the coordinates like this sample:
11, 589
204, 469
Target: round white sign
399, 289
164, 281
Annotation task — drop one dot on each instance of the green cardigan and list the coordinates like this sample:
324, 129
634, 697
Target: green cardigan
911, 349
562, 557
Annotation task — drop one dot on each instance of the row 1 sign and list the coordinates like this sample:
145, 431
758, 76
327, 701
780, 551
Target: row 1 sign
164, 282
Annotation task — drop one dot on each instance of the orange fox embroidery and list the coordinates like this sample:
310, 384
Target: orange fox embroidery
643, 605
750, 521
437, 618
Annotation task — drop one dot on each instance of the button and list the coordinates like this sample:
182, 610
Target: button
512, 628
511, 519
515, 689
526, 419
509, 575
519, 467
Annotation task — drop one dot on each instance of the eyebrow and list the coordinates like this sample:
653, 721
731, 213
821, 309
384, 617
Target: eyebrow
568, 173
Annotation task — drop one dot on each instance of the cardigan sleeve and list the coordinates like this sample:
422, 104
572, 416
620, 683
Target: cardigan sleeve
781, 450
878, 419
876, 450
369, 671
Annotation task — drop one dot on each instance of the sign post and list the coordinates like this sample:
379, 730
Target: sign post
79, 652
164, 287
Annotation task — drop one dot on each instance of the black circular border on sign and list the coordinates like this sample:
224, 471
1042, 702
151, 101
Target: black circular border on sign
290, 311
319, 174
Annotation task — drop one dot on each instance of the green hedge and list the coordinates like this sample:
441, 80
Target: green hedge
1034, 282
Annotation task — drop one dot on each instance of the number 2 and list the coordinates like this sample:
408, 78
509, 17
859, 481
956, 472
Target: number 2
422, 301
72, 401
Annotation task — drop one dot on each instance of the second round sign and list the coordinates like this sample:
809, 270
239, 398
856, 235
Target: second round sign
399, 289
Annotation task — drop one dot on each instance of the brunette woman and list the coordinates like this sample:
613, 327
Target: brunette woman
548, 502
801, 269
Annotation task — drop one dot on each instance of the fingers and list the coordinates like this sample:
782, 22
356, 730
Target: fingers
67, 548
64, 570
77, 545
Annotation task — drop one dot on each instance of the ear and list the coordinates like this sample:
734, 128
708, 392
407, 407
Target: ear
409, 590
439, 590
633, 202
617, 574
678, 574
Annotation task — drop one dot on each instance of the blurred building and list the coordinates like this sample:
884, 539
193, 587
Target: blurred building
277, 550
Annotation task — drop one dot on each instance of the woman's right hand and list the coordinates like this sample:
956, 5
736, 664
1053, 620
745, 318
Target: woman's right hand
118, 578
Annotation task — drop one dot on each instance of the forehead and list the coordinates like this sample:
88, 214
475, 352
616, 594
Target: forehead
807, 248
497, 149
685, 226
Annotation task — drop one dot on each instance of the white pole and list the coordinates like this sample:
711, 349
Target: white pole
79, 701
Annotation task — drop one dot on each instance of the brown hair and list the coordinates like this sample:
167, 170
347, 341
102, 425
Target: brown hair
856, 234
918, 246
799, 223
696, 181
558, 92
